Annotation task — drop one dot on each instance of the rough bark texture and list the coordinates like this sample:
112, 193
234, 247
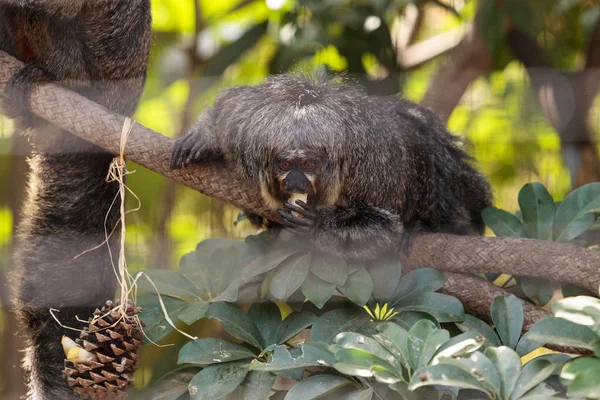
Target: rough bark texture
480, 294
516, 256
449, 253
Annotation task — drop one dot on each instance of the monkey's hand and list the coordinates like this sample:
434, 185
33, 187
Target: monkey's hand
357, 232
15, 101
298, 225
193, 148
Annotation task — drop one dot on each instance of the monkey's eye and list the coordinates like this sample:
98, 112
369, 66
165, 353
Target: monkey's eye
284, 165
308, 165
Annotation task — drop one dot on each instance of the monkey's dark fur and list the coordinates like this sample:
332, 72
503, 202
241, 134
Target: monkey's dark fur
384, 167
99, 49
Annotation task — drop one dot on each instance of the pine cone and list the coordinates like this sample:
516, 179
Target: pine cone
104, 370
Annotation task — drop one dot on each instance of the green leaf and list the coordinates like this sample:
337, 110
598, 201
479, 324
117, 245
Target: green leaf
316, 386
423, 340
360, 395
508, 365
533, 373
577, 213
168, 283
582, 375
474, 324
266, 262
481, 368
354, 266
214, 268
503, 223
561, 332
216, 381
395, 340
330, 269
301, 357
558, 359
173, 385
446, 375
317, 290
507, 315
417, 281
294, 374
459, 345
193, 312
358, 287
327, 326
157, 326
537, 208
267, 318
570, 290
294, 324
289, 277
407, 319
236, 322
542, 391
351, 340
385, 275
357, 362
538, 290
443, 307
210, 351
423, 393
258, 385
582, 310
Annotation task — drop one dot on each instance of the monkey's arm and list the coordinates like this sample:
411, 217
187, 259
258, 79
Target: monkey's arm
357, 231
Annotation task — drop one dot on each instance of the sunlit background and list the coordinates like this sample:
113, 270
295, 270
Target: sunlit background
389, 46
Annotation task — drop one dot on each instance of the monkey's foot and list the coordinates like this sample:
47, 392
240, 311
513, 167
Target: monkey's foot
298, 225
15, 102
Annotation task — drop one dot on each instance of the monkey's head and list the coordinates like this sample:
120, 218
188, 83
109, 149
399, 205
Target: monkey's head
299, 174
294, 139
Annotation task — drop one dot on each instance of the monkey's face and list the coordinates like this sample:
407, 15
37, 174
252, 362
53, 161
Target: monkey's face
296, 178
292, 175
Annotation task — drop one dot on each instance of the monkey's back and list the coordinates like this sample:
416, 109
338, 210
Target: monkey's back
388, 152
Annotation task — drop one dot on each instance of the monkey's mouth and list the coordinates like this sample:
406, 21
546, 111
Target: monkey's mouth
298, 196
292, 200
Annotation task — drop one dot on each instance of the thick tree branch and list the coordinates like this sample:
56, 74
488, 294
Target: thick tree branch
450, 253
480, 293
516, 256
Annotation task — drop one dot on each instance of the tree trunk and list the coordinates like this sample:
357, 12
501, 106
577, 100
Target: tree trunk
465, 63
565, 100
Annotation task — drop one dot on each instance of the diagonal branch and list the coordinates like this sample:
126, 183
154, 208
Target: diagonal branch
466, 62
451, 253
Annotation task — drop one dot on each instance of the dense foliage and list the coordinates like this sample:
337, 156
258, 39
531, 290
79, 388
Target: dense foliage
330, 328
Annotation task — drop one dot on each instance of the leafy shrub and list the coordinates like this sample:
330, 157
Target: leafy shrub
369, 331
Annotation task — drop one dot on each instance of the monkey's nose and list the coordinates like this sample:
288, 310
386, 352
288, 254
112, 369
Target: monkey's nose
296, 182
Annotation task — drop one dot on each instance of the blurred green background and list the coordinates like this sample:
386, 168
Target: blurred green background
464, 59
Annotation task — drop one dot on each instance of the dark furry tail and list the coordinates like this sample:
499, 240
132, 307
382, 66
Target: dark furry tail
58, 264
